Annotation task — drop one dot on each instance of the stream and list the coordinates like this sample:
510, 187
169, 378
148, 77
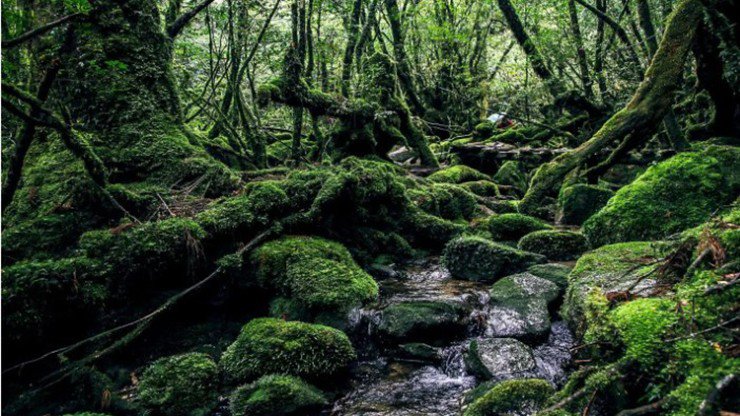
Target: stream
386, 383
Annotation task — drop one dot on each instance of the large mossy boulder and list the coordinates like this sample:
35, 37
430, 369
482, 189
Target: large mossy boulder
554, 272
674, 195
423, 320
448, 201
511, 398
554, 244
318, 275
429, 231
269, 345
181, 385
513, 226
520, 306
276, 395
500, 359
475, 258
482, 188
457, 174
576, 203
608, 269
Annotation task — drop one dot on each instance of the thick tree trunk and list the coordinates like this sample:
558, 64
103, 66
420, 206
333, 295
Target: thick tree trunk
349, 50
639, 117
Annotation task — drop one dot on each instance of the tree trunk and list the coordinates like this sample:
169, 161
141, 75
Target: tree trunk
402, 63
349, 50
645, 110
575, 27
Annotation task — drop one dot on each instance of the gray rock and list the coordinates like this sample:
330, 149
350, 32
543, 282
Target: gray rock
519, 306
500, 359
423, 320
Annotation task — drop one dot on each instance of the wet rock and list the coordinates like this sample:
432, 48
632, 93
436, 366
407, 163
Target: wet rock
519, 306
512, 397
475, 258
500, 359
578, 202
419, 351
423, 320
554, 272
555, 244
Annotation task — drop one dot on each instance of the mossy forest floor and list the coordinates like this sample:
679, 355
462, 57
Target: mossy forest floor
363, 289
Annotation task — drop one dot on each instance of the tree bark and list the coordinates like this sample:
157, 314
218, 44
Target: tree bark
402, 63
645, 110
575, 27
349, 50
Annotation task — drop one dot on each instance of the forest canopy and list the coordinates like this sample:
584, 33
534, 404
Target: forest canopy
370, 207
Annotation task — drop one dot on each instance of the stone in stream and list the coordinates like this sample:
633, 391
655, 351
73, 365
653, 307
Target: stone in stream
419, 351
519, 306
555, 244
554, 272
475, 258
500, 359
423, 320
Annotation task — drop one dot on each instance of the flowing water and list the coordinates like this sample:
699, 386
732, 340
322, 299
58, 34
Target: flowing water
383, 385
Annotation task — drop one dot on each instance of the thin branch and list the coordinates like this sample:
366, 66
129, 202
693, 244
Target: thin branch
179, 24
7, 44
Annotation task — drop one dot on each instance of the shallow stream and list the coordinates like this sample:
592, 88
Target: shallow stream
384, 384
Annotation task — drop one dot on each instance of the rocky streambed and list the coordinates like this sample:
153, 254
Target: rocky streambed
432, 339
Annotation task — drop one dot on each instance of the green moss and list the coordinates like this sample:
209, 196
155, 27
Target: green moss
43, 300
444, 200
484, 129
259, 205
457, 174
483, 188
319, 275
700, 366
607, 269
476, 258
554, 272
268, 345
512, 397
578, 202
425, 230
671, 196
513, 226
422, 320
86, 414
641, 325
510, 173
276, 395
150, 252
554, 244
180, 385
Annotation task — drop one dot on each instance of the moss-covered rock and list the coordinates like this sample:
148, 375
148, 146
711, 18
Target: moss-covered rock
500, 359
512, 397
41, 299
484, 129
457, 174
554, 272
423, 320
513, 226
642, 325
426, 230
576, 203
483, 188
611, 268
510, 173
269, 345
475, 258
676, 194
554, 244
519, 306
319, 275
419, 351
276, 395
445, 200
153, 252
180, 385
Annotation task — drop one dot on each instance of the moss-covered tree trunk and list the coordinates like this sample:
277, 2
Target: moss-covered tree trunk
640, 116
